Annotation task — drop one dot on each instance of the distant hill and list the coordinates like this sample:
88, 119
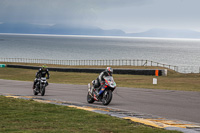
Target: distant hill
25, 28
56, 29
164, 33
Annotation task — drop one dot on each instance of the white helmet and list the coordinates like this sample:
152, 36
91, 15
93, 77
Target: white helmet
109, 70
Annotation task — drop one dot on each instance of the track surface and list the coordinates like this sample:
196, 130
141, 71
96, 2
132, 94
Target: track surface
180, 105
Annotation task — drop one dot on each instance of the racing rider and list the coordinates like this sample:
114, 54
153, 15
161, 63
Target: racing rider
100, 79
42, 72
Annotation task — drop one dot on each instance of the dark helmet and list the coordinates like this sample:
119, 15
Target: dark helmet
109, 70
44, 67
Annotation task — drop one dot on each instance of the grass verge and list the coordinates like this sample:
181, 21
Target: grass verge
174, 80
18, 115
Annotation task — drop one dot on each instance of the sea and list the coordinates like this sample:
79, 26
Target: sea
179, 52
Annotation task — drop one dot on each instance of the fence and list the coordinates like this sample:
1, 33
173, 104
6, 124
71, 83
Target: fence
189, 69
118, 62
115, 62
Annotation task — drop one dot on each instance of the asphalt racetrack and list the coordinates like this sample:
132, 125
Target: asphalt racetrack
180, 105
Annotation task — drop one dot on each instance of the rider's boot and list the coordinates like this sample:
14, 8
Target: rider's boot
33, 86
97, 92
92, 89
34, 83
46, 84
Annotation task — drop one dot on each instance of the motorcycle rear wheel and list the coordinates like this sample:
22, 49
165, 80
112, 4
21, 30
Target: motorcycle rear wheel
107, 97
90, 99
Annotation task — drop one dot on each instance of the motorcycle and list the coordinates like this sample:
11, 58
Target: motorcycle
40, 86
105, 92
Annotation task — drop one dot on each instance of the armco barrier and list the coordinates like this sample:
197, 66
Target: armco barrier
162, 72
113, 62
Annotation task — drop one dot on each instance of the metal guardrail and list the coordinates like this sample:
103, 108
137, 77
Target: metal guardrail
114, 62
189, 69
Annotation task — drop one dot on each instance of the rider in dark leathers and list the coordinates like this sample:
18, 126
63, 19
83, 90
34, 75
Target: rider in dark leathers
100, 79
42, 72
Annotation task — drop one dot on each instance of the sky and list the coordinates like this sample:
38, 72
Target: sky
128, 15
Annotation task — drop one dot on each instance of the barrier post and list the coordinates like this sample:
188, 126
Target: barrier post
155, 79
156, 72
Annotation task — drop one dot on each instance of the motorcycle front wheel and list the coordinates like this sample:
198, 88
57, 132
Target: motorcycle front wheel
90, 99
107, 97
43, 91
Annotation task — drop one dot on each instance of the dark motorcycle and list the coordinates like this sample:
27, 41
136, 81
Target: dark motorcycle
105, 92
40, 87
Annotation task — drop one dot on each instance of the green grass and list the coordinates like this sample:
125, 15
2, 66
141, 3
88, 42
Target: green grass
18, 115
174, 80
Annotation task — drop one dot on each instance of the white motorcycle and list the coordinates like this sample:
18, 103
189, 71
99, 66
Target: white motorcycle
105, 92
40, 86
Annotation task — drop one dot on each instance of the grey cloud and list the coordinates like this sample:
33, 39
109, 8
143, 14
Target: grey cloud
60, 10
157, 13
46, 11
123, 14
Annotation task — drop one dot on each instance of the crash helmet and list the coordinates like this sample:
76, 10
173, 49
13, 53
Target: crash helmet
44, 67
109, 70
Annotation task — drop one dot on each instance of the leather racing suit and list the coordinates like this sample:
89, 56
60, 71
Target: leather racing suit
100, 80
41, 73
